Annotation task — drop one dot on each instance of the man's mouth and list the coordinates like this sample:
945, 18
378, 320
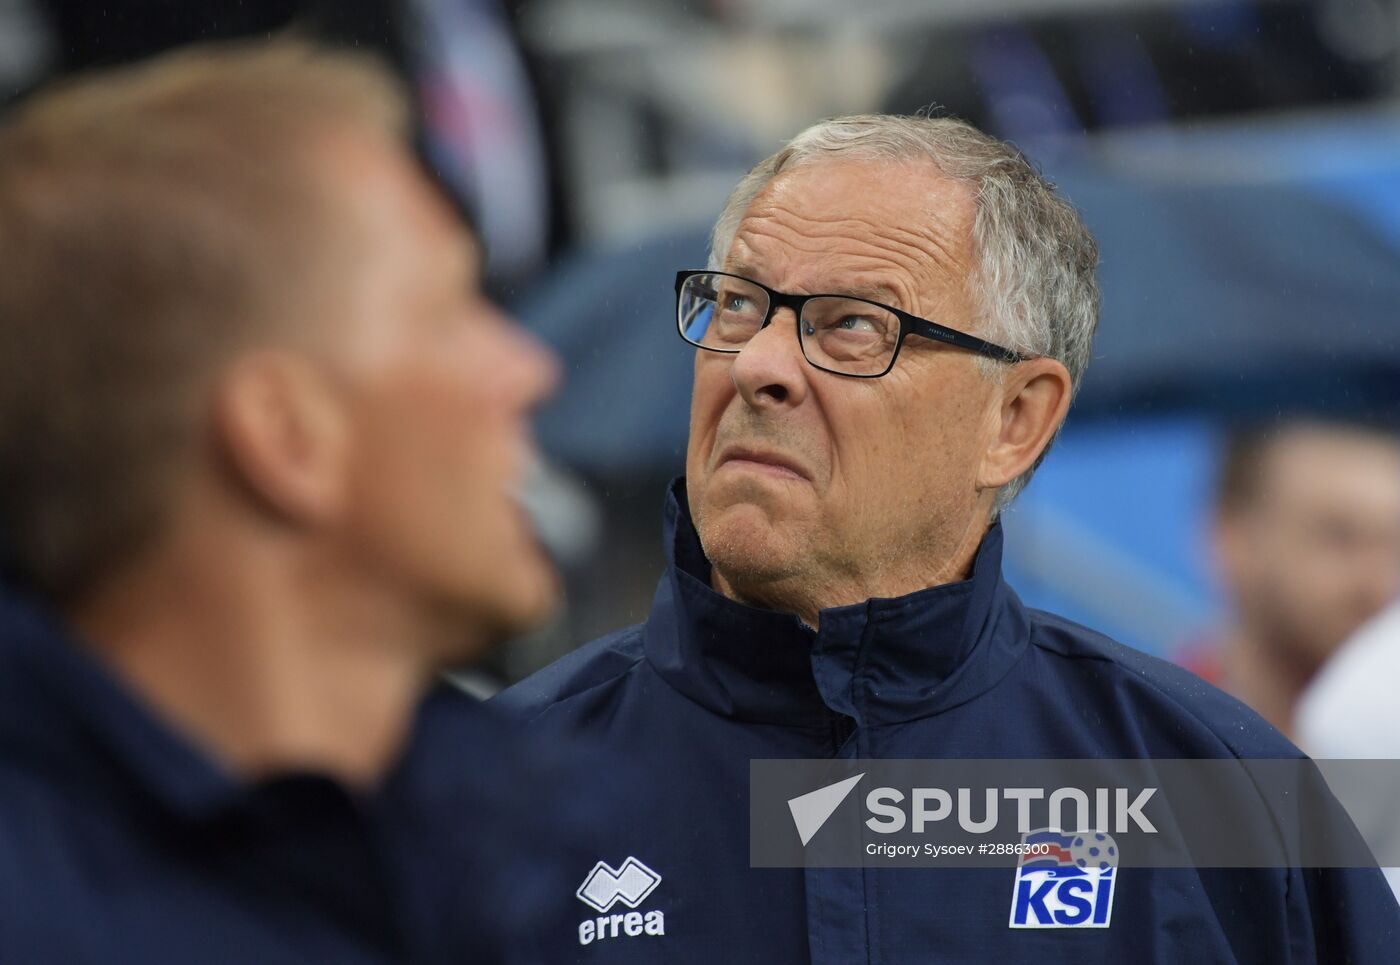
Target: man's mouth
764, 461
558, 512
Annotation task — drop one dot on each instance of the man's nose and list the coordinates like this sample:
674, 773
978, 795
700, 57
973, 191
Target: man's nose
545, 369
535, 368
1382, 573
769, 370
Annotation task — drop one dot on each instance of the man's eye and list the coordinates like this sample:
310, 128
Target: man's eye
735, 303
857, 323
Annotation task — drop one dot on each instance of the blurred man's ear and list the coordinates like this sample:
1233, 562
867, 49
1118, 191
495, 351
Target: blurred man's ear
1034, 398
282, 430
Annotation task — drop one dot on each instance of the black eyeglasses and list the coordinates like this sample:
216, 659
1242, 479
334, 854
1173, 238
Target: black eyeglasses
842, 334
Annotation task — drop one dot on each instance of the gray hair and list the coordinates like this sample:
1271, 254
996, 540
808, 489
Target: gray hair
1033, 281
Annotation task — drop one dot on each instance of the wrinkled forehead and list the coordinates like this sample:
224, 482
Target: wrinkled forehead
897, 231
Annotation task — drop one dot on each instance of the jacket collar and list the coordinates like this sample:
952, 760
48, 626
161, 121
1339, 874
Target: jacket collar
66, 708
877, 662
65, 711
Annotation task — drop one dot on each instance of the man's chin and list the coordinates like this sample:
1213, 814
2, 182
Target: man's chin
754, 496
746, 541
529, 603
514, 606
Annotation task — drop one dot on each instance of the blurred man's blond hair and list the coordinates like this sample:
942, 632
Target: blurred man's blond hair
153, 219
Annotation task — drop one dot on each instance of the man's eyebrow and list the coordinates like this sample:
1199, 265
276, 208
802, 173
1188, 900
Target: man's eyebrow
875, 292
870, 291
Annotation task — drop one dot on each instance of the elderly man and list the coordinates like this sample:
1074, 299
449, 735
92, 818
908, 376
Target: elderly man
895, 318
260, 440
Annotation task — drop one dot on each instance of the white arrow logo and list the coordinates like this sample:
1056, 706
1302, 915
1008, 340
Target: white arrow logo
810, 810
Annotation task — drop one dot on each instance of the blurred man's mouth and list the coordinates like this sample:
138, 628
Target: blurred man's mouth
560, 515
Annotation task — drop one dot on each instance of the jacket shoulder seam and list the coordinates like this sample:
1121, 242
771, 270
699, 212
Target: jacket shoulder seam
623, 637
1148, 681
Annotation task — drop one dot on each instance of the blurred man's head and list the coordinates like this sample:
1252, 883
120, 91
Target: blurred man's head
877, 486
1308, 533
238, 317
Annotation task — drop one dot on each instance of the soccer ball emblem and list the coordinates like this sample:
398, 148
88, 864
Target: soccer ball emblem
1092, 850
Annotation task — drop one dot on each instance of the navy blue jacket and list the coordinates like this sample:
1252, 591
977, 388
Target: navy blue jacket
962, 670
122, 842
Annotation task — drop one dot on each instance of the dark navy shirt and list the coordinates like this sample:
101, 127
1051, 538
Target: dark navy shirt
120, 841
959, 671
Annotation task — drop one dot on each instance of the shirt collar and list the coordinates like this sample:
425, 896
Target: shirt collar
881, 661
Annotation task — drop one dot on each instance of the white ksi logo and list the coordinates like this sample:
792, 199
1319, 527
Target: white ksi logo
1065, 880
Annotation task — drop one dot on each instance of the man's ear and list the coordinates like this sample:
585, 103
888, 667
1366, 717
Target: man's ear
1035, 396
283, 433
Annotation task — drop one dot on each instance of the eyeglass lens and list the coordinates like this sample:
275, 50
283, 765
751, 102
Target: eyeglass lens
721, 313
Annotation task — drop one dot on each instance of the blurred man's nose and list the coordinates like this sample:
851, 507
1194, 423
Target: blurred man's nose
769, 371
535, 368
1385, 575
1376, 570
546, 369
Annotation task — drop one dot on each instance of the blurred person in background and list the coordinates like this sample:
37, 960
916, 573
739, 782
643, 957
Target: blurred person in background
261, 438
1306, 539
895, 318
460, 60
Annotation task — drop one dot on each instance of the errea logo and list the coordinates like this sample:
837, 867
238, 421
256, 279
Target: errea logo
604, 887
